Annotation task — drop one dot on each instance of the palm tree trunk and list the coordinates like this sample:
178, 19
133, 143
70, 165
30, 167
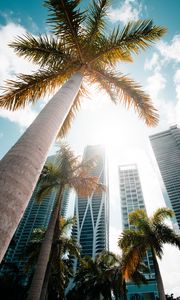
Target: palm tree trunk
44, 290
158, 277
45, 251
21, 166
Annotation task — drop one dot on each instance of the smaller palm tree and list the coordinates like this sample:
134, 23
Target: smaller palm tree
91, 280
118, 278
104, 276
148, 234
66, 172
59, 267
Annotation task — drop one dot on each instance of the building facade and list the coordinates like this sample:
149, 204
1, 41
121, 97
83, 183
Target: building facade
131, 199
166, 147
92, 213
37, 215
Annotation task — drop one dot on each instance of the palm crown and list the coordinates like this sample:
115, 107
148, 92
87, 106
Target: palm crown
148, 234
81, 42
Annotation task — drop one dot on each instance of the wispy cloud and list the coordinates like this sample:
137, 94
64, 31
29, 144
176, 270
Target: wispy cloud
153, 63
170, 51
10, 65
130, 10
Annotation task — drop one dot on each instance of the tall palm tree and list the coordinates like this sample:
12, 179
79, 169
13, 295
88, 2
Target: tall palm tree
81, 48
66, 171
148, 233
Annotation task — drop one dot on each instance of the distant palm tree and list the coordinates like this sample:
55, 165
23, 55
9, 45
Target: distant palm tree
148, 234
104, 275
66, 171
81, 47
118, 277
59, 267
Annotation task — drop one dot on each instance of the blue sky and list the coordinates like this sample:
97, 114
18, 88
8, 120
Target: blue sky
124, 136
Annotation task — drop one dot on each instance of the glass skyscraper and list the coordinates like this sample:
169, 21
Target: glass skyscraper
92, 213
37, 215
166, 147
131, 199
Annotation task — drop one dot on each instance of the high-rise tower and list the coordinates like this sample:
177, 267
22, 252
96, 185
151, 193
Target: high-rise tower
37, 215
132, 199
166, 147
92, 213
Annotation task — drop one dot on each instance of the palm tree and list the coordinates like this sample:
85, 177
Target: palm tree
91, 280
104, 275
118, 277
65, 172
59, 267
81, 47
148, 234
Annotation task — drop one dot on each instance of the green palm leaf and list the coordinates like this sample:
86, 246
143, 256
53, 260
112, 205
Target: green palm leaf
43, 50
135, 36
66, 20
123, 89
30, 88
95, 20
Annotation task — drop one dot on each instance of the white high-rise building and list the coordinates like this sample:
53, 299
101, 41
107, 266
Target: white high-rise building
131, 199
92, 213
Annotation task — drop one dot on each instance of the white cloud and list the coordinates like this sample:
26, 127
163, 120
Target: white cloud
156, 83
177, 88
22, 117
10, 65
153, 63
130, 10
170, 51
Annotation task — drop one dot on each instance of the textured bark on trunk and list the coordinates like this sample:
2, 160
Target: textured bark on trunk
44, 291
158, 277
44, 255
21, 166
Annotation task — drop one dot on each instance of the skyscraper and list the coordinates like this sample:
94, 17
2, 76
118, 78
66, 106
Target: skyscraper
166, 147
92, 213
132, 199
37, 215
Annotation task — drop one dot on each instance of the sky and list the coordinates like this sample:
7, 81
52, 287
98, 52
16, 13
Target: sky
124, 136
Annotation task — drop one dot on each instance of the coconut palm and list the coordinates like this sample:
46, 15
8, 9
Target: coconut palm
81, 48
148, 234
66, 172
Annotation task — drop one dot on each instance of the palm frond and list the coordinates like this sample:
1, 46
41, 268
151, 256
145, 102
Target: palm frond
127, 91
167, 235
130, 237
138, 278
45, 190
139, 35
73, 111
30, 88
132, 259
104, 52
95, 20
161, 214
43, 50
66, 19
135, 36
86, 185
138, 217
